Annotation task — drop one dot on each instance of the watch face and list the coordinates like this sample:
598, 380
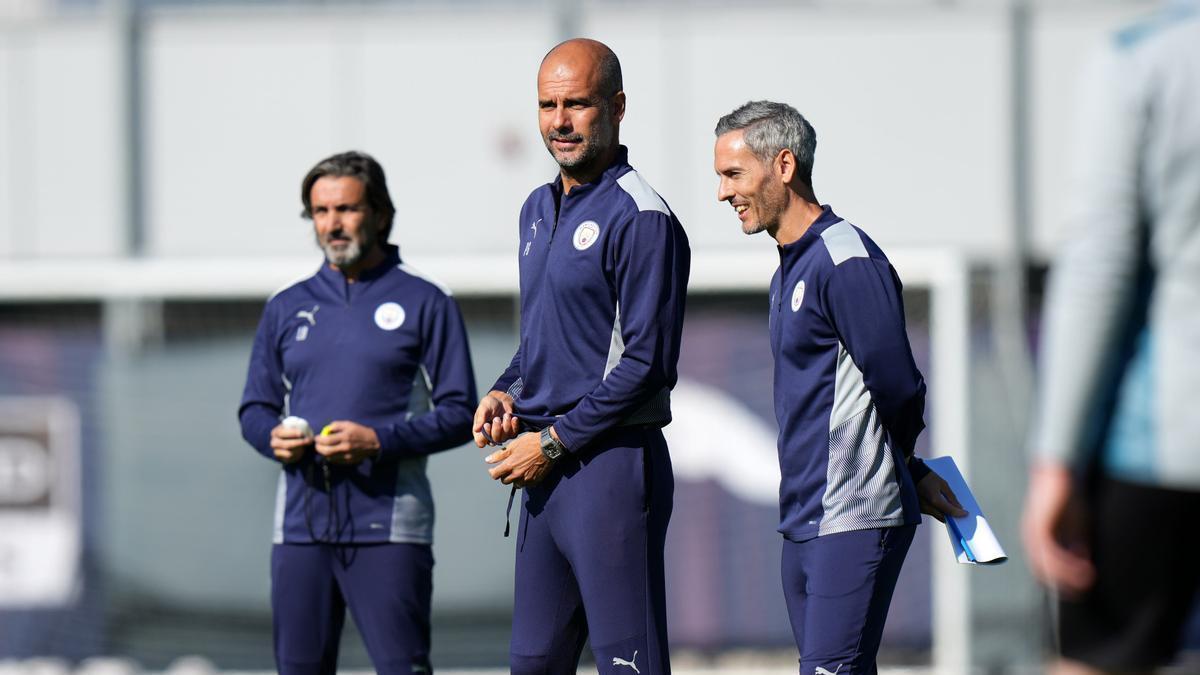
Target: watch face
550, 447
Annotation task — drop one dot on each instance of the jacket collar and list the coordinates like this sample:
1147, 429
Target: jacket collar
391, 258
619, 167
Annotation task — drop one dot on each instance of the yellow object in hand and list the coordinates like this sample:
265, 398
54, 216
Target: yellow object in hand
327, 430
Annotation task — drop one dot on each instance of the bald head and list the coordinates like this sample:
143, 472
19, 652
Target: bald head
581, 55
580, 108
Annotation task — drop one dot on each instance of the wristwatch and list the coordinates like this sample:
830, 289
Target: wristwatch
552, 448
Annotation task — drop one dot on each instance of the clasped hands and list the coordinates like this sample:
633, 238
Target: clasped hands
519, 459
340, 442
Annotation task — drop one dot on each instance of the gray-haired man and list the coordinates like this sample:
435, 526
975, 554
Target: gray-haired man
848, 395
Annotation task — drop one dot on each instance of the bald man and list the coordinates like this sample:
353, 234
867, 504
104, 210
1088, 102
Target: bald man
604, 268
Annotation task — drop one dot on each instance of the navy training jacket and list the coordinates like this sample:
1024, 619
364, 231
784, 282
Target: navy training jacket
848, 396
378, 352
604, 273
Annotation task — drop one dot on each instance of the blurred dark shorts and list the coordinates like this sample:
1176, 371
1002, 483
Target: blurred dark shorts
1146, 546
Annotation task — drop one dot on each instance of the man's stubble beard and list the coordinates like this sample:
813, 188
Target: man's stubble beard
591, 152
769, 204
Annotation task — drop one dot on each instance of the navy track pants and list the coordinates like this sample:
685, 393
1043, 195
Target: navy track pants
590, 560
838, 588
386, 586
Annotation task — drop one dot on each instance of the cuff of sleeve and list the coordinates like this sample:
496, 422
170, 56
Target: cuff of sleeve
263, 445
511, 386
567, 437
390, 443
917, 469
260, 440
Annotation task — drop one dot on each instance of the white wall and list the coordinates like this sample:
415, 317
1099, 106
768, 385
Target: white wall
61, 158
912, 145
911, 105
241, 107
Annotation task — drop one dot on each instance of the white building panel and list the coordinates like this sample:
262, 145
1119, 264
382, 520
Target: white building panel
910, 109
450, 109
60, 149
238, 109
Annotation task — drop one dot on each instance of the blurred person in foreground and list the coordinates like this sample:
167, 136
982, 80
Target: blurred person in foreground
376, 357
604, 269
1114, 496
848, 396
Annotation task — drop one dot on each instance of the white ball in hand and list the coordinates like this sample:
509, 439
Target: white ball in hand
299, 424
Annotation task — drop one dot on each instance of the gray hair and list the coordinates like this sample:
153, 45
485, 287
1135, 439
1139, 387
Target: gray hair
769, 128
358, 165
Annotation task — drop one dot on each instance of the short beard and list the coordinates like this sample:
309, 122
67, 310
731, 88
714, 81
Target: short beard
349, 256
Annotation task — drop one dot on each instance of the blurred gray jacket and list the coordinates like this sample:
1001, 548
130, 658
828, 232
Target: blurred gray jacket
1120, 353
